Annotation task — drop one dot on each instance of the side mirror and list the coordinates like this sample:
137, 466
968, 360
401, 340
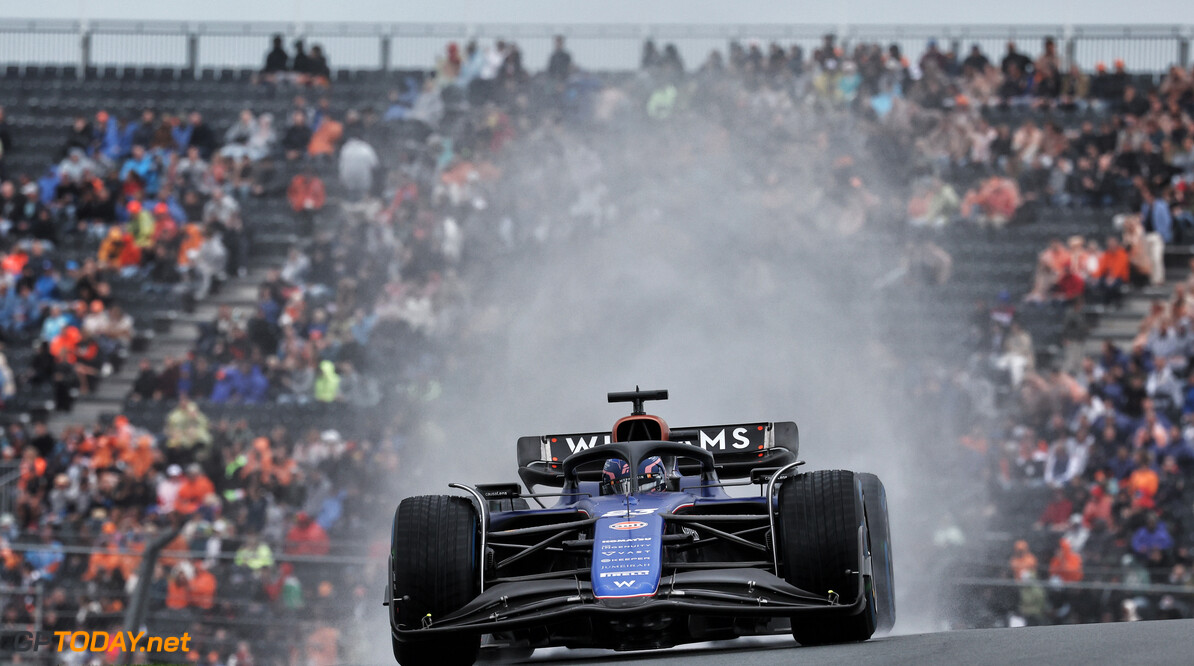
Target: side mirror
762, 475
497, 491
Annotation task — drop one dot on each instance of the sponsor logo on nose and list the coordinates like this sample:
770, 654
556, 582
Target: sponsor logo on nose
628, 525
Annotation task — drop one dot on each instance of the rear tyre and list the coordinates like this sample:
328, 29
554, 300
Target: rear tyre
820, 514
874, 497
433, 572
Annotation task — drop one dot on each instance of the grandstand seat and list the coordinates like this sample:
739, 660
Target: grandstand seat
12, 72
128, 74
149, 73
208, 74
111, 73
91, 72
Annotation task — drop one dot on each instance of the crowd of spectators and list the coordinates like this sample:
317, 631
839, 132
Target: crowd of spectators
485, 157
1110, 435
302, 68
248, 503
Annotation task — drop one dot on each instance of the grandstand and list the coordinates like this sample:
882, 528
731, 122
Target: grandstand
287, 339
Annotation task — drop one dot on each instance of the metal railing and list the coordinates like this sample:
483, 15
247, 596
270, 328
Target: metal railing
38, 592
10, 473
383, 46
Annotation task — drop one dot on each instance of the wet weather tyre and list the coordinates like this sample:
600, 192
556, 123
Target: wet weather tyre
820, 514
875, 499
433, 572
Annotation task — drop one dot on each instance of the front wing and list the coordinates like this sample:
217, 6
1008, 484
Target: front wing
735, 592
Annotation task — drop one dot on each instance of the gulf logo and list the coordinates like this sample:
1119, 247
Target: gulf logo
628, 525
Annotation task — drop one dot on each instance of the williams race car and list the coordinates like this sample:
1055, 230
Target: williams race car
641, 546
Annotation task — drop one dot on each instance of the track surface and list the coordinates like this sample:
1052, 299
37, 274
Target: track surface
1166, 642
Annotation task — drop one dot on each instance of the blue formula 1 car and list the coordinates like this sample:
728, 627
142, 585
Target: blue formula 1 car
642, 547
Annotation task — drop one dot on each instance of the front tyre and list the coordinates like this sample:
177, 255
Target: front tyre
820, 514
433, 572
875, 499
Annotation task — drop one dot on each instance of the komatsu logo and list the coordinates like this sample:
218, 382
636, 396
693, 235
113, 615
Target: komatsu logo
618, 574
582, 444
628, 540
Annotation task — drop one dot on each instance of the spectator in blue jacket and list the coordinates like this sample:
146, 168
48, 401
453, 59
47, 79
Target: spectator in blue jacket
54, 323
143, 164
1153, 537
242, 383
1157, 221
46, 559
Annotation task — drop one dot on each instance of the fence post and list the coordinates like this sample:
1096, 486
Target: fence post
193, 51
1071, 44
84, 50
1183, 52
385, 52
134, 617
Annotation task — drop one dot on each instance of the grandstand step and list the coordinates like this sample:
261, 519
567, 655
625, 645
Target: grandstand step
87, 409
1155, 291
1117, 329
1125, 314
160, 352
1178, 256
235, 290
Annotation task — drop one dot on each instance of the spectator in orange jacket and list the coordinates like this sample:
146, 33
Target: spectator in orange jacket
1113, 272
1143, 482
66, 341
306, 192
306, 195
110, 248
1066, 564
326, 137
306, 537
195, 489
130, 253
177, 591
107, 560
1098, 507
202, 592
1022, 560
192, 240
139, 457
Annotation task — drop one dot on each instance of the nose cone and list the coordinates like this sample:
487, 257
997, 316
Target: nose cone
627, 556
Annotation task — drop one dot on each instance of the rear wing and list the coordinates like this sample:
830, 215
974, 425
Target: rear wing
737, 449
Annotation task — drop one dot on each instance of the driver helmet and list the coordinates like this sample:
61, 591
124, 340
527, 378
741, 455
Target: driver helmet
615, 476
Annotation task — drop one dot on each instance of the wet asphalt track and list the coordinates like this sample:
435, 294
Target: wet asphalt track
1163, 642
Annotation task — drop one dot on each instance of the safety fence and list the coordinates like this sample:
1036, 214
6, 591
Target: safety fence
384, 46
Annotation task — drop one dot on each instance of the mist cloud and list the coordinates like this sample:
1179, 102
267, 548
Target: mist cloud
704, 261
